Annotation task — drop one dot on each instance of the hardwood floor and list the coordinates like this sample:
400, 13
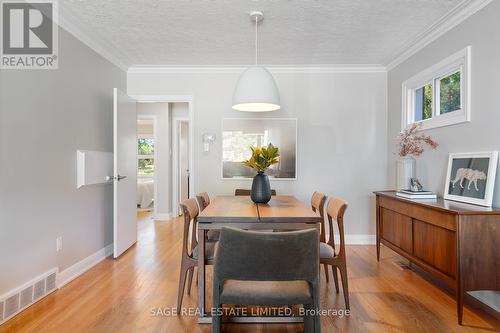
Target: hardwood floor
118, 296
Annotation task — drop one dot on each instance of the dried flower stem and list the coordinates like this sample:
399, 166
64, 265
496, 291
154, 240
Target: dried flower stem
411, 143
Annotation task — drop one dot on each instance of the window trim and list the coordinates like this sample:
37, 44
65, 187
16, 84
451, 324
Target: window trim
460, 61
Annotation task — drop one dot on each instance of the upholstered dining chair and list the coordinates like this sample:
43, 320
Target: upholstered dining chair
271, 269
243, 192
328, 254
189, 255
203, 201
318, 201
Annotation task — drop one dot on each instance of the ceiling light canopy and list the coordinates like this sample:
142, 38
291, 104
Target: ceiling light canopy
256, 90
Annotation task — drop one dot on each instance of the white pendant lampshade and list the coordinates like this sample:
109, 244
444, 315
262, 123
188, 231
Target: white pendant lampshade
256, 91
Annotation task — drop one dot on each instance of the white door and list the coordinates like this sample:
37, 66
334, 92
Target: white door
125, 172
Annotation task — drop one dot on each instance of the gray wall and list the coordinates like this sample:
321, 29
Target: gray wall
482, 32
45, 116
342, 132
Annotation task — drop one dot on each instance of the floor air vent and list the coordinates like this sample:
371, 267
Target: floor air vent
20, 298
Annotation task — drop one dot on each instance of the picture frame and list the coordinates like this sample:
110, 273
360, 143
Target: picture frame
238, 134
470, 177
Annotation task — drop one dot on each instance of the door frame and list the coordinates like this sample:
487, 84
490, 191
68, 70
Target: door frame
155, 156
176, 122
192, 170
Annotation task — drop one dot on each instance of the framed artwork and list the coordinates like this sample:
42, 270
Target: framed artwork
238, 134
471, 177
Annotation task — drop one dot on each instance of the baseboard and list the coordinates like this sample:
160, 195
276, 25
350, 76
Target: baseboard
74, 271
355, 239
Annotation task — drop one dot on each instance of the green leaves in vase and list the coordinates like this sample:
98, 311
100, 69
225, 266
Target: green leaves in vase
263, 157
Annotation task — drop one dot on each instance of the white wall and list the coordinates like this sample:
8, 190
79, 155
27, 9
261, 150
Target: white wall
342, 132
482, 32
45, 116
163, 199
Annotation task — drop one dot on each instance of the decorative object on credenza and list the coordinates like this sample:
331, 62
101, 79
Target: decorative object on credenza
416, 195
261, 159
471, 177
415, 185
410, 145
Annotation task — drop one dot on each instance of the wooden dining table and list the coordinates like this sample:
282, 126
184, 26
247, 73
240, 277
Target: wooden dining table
283, 212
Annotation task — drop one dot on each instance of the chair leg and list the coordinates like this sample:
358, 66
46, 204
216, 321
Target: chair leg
190, 279
326, 273
182, 284
345, 287
335, 278
308, 320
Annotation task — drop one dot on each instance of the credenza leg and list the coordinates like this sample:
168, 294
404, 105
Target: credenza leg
378, 230
460, 304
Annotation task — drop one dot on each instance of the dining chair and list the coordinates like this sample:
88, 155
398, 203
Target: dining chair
318, 201
189, 251
271, 269
327, 252
203, 201
245, 192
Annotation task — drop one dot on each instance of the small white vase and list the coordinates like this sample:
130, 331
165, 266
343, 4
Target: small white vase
405, 170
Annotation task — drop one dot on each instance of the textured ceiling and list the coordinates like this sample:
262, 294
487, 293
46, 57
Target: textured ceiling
219, 32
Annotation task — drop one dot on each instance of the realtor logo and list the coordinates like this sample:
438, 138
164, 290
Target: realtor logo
29, 35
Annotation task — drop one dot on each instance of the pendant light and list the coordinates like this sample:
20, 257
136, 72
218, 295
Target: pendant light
256, 90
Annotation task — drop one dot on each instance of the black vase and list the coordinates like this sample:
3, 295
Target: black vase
261, 189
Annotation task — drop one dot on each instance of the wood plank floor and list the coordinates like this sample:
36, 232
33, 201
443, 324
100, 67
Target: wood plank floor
118, 296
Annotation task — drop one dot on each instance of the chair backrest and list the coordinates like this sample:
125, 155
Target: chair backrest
318, 205
241, 191
203, 200
335, 211
190, 212
267, 256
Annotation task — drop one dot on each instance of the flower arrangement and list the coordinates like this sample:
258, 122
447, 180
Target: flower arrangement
263, 157
410, 142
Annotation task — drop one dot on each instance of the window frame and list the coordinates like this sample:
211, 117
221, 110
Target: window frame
149, 156
458, 62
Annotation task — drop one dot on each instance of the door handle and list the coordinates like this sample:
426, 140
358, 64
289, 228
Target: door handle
118, 178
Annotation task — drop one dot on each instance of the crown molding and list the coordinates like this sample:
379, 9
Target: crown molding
447, 22
71, 24
273, 69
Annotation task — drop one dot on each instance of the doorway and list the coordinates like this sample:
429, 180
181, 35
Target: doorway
146, 162
174, 176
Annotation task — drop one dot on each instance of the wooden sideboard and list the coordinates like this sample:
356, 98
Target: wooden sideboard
457, 244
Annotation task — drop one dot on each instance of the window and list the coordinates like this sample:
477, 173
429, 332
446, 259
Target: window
145, 157
439, 96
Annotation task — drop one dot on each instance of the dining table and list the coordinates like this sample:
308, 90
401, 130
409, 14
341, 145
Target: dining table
281, 213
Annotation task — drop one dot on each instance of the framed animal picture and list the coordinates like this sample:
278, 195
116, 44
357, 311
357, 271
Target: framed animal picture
471, 177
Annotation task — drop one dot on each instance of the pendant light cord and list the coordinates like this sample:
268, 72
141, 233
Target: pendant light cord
256, 39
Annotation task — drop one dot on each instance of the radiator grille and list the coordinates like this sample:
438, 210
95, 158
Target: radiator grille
11, 305
27, 294
26, 297
50, 282
39, 289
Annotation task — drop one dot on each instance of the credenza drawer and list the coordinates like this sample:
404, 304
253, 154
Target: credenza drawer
444, 220
435, 246
396, 229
